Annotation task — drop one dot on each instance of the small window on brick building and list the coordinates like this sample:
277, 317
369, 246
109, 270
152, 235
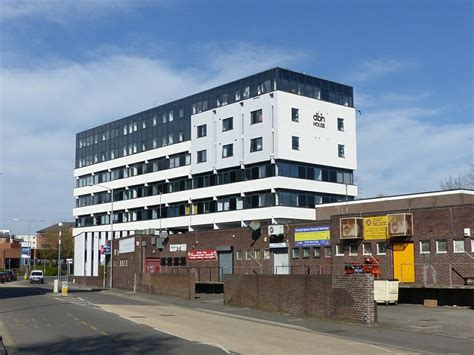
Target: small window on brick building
339, 250
458, 246
425, 247
381, 248
295, 253
266, 254
247, 255
317, 252
305, 253
472, 245
327, 252
366, 249
441, 246
352, 249
238, 254
257, 254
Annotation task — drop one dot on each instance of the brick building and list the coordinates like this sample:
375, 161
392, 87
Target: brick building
435, 250
10, 253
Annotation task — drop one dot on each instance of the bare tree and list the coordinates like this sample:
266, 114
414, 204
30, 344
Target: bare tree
464, 180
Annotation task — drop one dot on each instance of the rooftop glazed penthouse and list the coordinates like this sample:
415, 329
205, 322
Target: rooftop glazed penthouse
266, 147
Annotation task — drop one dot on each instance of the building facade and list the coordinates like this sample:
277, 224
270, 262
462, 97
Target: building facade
264, 148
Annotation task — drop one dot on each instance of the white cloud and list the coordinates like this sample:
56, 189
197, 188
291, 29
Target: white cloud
43, 107
403, 151
376, 68
60, 11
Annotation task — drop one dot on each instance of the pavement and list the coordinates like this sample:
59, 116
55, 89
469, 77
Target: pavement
207, 322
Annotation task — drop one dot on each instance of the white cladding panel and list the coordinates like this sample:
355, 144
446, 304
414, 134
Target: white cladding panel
240, 136
317, 145
79, 255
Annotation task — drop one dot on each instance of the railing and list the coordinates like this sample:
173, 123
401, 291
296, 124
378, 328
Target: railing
431, 274
202, 273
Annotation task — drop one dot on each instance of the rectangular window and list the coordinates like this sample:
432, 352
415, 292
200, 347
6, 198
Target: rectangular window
295, 253
181, 113
256, 144
317, 252
327, 252
381, 248
202, 156
352, 249
339, 250
458, 246
472, 245
201, 131
295, 143
256, 117
295, 115
366, 249
425, 247
305, 253
246, 92
227, 150
441, 246
227, 124
340, 151
266, 254
340, 124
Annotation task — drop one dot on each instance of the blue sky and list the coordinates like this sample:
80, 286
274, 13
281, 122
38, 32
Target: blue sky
70, 65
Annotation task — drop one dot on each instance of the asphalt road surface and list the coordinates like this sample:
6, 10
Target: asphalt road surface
120, 322
37, 322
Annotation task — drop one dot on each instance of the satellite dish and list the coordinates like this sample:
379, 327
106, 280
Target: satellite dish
254, 225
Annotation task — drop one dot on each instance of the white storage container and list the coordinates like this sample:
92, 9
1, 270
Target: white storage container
386, 291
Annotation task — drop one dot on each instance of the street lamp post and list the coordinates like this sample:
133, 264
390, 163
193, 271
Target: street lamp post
111, 191
29, 231
60, 225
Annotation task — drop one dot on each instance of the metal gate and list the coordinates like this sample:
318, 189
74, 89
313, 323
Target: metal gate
281, 263
226, 263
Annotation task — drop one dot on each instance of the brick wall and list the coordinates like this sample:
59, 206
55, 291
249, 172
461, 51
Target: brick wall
91, 281
349, 298
175, 285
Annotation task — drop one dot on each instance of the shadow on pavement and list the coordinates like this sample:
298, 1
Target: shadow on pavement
120, 343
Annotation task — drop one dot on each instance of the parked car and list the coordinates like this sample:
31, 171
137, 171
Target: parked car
11, 275
3, 277
36, 276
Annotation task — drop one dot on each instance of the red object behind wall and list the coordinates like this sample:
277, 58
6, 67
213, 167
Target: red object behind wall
152, 265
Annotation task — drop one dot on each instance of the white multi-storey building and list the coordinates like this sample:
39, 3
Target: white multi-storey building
267, 147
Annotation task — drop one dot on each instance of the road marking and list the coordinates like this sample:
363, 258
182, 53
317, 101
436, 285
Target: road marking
218, 346
134, 348
380, 348
69, 315
104, 333
172, 334
76, 319
84, 323
94, 327
59, 299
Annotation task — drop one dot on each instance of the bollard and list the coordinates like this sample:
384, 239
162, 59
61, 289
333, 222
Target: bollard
64, 289
56, 286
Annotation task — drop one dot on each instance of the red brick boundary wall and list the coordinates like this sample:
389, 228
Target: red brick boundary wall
91, 281
342, 297
176, 285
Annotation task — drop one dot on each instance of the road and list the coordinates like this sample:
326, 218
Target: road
121, 322
37, 322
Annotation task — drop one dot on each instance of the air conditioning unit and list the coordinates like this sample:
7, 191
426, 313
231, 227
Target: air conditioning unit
400, 224
276, 229
351, 228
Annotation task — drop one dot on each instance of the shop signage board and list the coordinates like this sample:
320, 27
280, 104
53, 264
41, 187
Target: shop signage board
375, 228
177, 247
312, 236
127, 245
202, 255
278, 245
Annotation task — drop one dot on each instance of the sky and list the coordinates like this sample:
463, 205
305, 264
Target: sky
67, 66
